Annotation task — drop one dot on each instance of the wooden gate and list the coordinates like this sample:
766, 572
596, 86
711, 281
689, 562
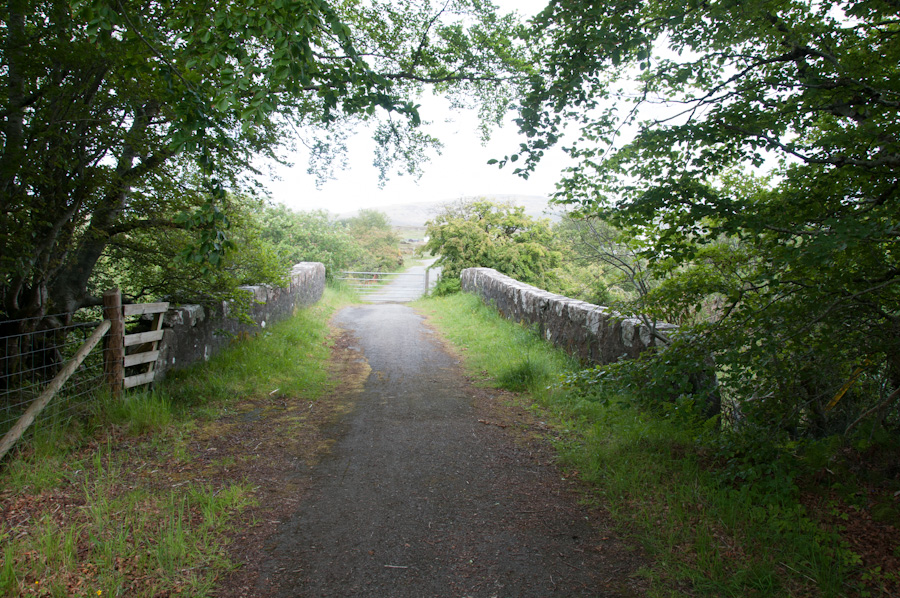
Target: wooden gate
136, 353
385, 287
142, 348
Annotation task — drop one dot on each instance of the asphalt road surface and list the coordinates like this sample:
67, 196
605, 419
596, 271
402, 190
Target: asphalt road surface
418, 498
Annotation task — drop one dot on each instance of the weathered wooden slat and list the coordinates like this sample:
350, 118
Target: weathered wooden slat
132, 381
139, 358
145, 308
157, 325
143, 337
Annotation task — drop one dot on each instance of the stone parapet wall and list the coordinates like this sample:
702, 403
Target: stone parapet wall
195, 333
593, 333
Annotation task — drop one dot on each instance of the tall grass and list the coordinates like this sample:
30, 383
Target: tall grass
706, 537
286, 357
139, 412
95, 512
118, 534
498, 352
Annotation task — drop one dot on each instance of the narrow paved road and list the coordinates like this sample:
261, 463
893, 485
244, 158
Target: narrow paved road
419, 499
408, 286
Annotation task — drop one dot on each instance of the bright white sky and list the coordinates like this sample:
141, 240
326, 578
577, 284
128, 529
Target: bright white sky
461, 170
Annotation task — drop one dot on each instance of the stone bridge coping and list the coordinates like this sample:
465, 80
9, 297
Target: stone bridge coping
593, 332
195, 332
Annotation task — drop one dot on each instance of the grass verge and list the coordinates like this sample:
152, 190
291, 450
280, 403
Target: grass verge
772, 536
130, 503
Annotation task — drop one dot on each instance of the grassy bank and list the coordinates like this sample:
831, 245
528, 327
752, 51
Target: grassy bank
127, 501
774, 535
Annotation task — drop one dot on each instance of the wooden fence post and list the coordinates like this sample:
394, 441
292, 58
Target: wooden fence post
114, 354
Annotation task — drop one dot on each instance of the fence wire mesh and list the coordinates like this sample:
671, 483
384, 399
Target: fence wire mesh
32, 353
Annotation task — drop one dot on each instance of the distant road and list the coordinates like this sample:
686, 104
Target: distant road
405, 288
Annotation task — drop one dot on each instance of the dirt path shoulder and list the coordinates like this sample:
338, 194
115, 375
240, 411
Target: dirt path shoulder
414, 483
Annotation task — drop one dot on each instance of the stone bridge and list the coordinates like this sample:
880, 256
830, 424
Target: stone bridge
593, 333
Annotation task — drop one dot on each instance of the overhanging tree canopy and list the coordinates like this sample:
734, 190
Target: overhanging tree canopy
809, 90
122, 114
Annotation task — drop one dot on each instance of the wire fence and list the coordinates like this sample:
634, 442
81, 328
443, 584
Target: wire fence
32, 352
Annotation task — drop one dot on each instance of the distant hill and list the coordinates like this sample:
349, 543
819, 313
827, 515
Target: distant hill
416, 214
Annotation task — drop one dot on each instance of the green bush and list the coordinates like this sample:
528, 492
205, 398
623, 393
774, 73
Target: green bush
486, 234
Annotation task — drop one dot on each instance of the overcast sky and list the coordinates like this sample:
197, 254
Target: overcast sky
461, 170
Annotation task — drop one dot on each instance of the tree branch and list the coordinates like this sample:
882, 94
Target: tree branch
423, 41
127, 227
882, 405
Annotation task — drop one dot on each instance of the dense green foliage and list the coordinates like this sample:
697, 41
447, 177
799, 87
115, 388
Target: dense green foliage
675, 104
309, 237
480, 233
125, 117
144, 264
600, 265
373, 231
267, 240
363, 242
